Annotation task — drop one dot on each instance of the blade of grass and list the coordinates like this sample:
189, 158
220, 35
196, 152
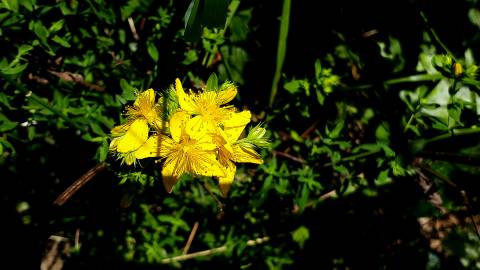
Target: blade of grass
282, 48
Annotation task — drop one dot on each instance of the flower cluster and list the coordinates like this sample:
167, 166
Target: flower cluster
190, 132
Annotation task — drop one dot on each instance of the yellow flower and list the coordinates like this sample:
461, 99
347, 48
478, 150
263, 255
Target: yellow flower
184, 154
207, 111
229, 152
146, 108
131, 142
129, 137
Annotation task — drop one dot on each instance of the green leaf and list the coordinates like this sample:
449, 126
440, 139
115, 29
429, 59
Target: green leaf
56, 26
193, 27
300, 235
302, 198
41, 31
28, 4
23, 49
212, 83
190, 57
128, 90
13, 70
128, 9
281, 49
474, 16
6, 124
11, 5
152, 51
61, 41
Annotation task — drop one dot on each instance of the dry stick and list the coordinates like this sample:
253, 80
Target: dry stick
73, 188
283, 154
211, 251
190, 238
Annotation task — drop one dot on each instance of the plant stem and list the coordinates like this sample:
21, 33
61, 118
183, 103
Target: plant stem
353, 157
415, 78
407, 79
454, 133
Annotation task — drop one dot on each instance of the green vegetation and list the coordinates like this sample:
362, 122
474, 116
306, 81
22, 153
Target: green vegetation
372, 112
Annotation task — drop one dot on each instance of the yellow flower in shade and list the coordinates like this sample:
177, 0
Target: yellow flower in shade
230, 151
207, 111
145, 107
184, 154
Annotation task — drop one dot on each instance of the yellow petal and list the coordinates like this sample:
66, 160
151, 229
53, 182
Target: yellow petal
166, 146
178, 122
185, 101
120, 130
245, 155
235, 125
225, 150
238, 119
151, 148
207, 166
114, 144
135, 137
198, 126
226, 182
170, 178
148, 95
226, 95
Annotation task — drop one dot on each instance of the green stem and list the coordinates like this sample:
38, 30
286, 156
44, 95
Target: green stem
415, 78
409, 122
353, 157
454, 133
407, 79
282, 49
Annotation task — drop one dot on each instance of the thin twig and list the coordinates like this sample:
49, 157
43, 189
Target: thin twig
283, 154
219, 203
190, 238
80, 182
212, 251
310, 129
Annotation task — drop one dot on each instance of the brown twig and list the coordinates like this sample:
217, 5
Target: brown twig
190, 238
283, 154
310, 129
212, 251
80, 182
77, 78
